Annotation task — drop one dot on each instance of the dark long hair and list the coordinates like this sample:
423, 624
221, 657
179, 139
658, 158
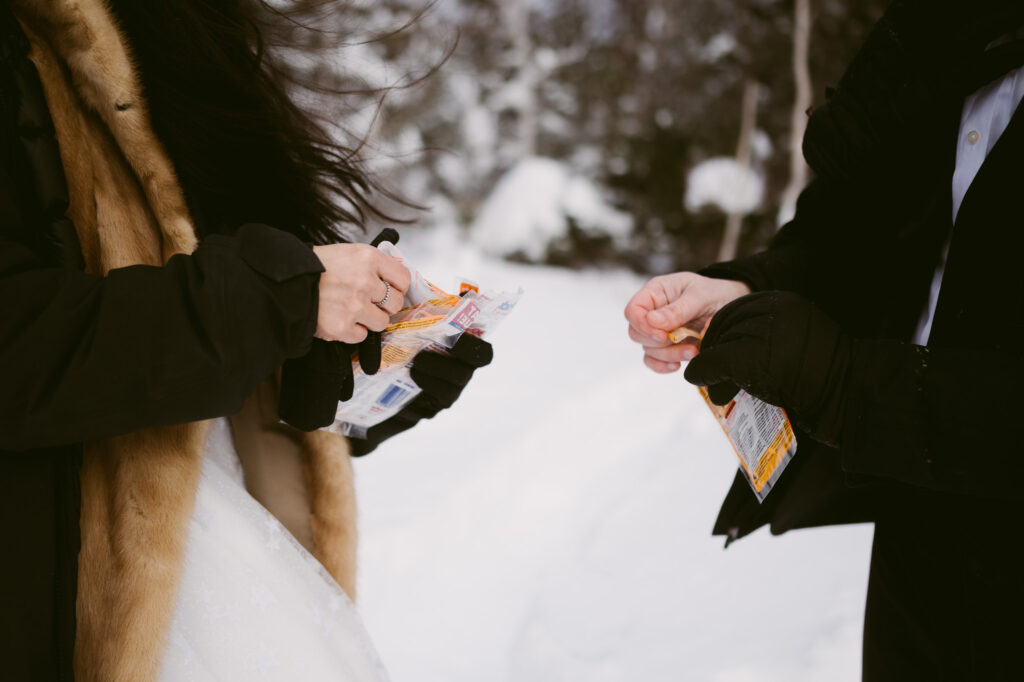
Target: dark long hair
222, 102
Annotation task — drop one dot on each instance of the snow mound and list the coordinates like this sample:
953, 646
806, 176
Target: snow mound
533, 204
721, 45
724, 183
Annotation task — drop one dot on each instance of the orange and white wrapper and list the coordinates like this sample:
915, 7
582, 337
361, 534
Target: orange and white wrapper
761, 434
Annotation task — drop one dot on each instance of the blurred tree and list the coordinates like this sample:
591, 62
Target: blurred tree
630, 94
798, 170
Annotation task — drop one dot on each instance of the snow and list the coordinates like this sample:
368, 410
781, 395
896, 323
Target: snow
787, 211
664, 118
479, 130
555, 524
761, 146
530, 206
720, 45
724, 183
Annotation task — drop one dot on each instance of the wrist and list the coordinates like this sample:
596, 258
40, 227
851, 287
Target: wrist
733, 289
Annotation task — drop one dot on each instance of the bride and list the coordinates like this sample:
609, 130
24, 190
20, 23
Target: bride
143, 298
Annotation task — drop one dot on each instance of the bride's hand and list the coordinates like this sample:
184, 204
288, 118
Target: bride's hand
356, 277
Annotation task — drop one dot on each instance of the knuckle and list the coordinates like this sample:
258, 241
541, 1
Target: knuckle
655, 281
361, 288
359, 254
369, 254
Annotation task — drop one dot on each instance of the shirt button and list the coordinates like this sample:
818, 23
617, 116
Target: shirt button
973, 137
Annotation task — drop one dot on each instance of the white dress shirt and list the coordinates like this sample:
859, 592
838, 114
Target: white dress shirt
986, 114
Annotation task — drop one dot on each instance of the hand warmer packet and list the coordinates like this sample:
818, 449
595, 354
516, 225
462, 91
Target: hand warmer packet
431, 319
761, 435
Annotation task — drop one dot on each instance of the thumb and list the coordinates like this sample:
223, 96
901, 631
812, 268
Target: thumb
710, 367
722, 394
370, 353
687, 310
473, 350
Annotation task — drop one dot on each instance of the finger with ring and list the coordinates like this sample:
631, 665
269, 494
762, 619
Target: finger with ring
387, 295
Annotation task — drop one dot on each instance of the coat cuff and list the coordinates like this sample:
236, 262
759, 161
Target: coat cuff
283, 259
275, 254
776, 268
884, 434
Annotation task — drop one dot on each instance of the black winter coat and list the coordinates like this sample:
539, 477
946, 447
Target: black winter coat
85, 357
931, 449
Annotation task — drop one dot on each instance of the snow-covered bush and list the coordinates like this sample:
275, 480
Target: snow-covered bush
541, 203
725, 184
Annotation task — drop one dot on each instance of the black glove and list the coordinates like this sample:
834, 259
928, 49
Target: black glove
369, 348
779, 347
442, 378
312, 385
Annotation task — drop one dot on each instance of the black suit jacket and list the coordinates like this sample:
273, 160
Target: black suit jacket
863, 246
931, 446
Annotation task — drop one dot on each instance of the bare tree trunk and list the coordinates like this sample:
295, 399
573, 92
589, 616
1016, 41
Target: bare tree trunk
517, 14
748, 122
801, 102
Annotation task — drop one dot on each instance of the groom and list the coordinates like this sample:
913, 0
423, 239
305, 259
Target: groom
887, 320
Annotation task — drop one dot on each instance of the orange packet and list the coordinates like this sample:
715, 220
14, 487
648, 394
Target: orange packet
761, 434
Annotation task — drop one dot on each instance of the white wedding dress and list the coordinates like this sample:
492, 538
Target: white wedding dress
253, 604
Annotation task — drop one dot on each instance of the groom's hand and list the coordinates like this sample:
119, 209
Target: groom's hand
781, 348
668, 302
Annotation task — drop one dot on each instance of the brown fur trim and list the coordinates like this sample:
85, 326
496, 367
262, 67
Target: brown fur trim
89, 43
77, 159
137, 494
306, 480
331, 485
137, 490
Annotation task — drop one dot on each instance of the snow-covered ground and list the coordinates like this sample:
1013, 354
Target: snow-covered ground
555, 524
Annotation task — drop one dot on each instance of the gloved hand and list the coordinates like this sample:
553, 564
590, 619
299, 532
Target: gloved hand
442, 378
312, 385
781, 348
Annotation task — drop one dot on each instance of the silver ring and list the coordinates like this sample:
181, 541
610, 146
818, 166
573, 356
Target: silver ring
387, 295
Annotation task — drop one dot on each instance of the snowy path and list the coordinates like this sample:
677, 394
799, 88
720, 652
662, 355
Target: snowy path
555, 525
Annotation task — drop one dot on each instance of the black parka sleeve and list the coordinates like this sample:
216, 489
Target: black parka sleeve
789, 263
938, 418
85, 357
935, 418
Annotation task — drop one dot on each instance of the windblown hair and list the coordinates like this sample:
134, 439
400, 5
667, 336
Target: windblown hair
221, 101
